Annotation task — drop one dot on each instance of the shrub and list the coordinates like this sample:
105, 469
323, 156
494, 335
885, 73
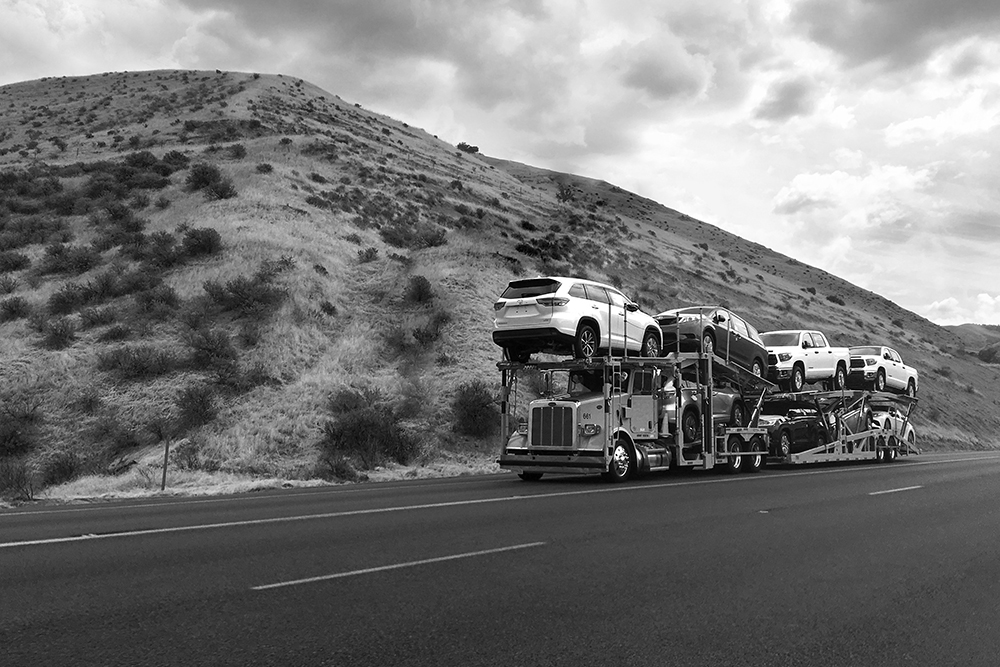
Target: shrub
195, 406
349, 399
115, 333
210, 348
419, 290
186, 454
246, 296
368, 255
133, 362
202, 241
162, 202
13, 261
158, 302
59, 333
14, 308
7, 284
404, 233
223, 189
62, 258
372, 434
203, 175
15, 480
833, 298
59, 467
474, 409
264, 168
237, 151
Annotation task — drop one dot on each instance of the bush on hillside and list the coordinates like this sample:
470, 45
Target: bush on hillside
15, 480
371, 434
990, 355
202, 241
474, 409
59, 467
59, 333
834, 298
14, 308
134, 362
203, 175
195, 406
7, 284
419, 290
13, 261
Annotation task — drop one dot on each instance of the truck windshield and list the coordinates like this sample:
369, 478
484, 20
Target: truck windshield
780, 339
856, 351
585, 382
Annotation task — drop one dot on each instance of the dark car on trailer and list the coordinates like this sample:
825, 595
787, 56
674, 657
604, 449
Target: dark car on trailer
714, 329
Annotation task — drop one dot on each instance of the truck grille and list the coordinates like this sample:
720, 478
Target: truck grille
552, 426
772, 359
857, 363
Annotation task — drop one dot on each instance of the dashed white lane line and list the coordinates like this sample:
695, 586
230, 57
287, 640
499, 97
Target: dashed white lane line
905, 488
396, 566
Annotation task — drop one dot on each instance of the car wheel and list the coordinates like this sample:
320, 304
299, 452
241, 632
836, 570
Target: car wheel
757, 368
880, 380
689, 425
911, 389
622, 462
530, 476
734, 464
840, 379
738, 415
798, 379
821, 440
784, 444
650, 345
879, 452
708, 343
756, 462
585, 345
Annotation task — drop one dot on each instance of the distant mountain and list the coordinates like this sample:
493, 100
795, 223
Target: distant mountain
234, 259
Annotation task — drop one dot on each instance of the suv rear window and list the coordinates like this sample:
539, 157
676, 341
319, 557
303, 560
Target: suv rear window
520, 289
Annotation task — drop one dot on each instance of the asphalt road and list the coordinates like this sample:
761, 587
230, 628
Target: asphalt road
894, 564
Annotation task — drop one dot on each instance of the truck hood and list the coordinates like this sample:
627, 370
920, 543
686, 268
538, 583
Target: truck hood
767, 421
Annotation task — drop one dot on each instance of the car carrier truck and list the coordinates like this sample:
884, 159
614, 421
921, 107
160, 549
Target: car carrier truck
619, 417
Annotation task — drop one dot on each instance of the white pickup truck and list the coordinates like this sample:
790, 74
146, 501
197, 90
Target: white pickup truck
797, 356
882, 369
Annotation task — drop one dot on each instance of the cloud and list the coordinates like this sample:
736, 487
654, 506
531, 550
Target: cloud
973, 115
982, 309
664, 69
892, 34
787, 99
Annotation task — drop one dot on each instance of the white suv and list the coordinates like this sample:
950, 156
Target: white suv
570, 315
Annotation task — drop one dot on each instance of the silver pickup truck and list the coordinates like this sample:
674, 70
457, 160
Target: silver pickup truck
797, 356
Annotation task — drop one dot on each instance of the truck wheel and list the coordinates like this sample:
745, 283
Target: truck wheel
650, 345
798, 379
530, 476
734, 464
755, 463
757, 368
879, 380
622, 462
840, 379
911, 389
586, 342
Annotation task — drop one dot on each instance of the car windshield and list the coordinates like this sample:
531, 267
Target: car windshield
780, 339
877, 351
522, 289
782, 408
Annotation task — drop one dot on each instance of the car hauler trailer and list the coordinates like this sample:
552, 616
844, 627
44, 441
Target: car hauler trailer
624, 416
827, 426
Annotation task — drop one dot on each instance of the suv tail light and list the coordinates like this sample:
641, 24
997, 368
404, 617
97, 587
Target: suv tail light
499, 304
552, 301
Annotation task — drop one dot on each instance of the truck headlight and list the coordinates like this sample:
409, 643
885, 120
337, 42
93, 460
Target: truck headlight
870, 362
522, 428
590, 429
784, 356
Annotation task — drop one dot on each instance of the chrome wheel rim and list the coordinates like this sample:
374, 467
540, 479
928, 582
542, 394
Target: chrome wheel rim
620, 461
588, 342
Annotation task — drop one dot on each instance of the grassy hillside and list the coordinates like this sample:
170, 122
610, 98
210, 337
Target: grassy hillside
234, 262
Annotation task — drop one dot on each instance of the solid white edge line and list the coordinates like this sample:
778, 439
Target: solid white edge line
383, 568
905, 488
476, 501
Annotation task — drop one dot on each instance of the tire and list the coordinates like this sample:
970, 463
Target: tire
879, 381
734, 464
530, 476
738, 415
622, 462
586, 342
840, 379
821, 439
650, 345
690, 426
708, 343
755, 463
911, 389
784, 444
798, 379
757, 368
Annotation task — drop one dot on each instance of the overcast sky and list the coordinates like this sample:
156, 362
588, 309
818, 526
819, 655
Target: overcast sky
860, 136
